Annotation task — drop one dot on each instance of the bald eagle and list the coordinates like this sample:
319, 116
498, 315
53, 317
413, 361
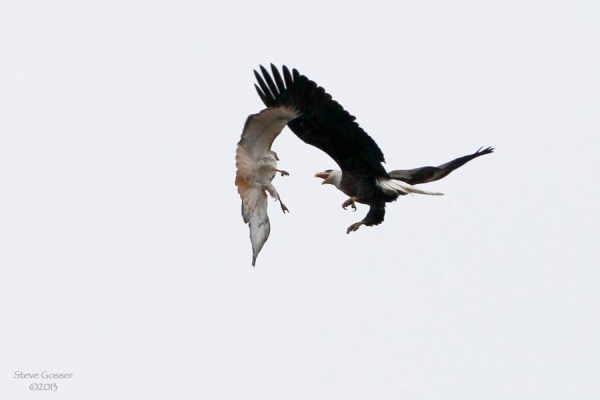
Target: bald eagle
322, 122
256, 167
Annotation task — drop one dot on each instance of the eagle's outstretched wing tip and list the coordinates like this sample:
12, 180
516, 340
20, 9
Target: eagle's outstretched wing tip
324, 124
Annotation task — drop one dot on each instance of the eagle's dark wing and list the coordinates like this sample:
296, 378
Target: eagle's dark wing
323, 122
430, 174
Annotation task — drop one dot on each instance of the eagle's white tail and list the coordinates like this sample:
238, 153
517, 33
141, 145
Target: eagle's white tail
395, 186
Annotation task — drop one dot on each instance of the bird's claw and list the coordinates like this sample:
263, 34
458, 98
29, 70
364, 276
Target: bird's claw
349, 203
353, 227
284, 208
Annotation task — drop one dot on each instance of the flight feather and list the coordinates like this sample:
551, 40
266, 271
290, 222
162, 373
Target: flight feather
256, 166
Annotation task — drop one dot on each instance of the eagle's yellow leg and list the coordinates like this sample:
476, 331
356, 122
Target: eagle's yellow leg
354, 227
350, 203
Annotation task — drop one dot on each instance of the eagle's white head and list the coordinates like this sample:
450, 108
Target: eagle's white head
331, 177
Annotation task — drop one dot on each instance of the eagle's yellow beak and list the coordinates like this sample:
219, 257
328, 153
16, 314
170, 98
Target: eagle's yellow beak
323, 175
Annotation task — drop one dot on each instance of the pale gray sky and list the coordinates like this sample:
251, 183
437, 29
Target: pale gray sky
125, 259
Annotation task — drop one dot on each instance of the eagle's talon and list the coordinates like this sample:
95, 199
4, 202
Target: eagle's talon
354, 227
349, 203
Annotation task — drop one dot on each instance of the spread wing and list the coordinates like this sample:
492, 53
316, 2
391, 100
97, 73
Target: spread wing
323, 122
261, 130
256, 164
430, 174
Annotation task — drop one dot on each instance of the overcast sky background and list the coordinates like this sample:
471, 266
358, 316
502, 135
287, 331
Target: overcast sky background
125, 259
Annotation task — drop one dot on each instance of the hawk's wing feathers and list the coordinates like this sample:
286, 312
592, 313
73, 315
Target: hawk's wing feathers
261, 130
256, 167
